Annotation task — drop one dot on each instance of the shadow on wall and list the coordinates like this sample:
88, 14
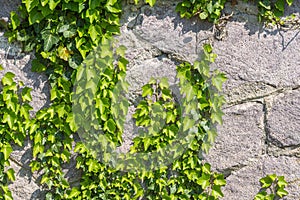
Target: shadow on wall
243, 12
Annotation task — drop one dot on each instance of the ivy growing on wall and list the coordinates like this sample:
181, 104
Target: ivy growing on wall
63, 33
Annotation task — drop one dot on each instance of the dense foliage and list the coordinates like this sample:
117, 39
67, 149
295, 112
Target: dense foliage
63, 33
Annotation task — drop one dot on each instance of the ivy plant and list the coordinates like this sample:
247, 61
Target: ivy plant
15, 122
63, 33
210, 10
276, 186
271, 11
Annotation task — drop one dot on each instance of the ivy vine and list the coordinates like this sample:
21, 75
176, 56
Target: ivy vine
63, 33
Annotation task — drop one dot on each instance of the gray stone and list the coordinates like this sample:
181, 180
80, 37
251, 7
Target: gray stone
244, 182
263, 58
262, 67
13, 60
239, 139
163, 28
283, 120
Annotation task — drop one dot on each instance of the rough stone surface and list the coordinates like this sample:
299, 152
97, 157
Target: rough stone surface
244, 184
240, 138
261, 130
284, 118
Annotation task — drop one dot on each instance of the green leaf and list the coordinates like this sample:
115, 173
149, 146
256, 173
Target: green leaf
110, 126
281, 182
266, 182
53, 4
26, 96
203, 15
30, 4
218, 80
281, 192
216, 191
188, 123
289, 2
74, 193
151, 2
6, 150
35, 16
147, 90
94, 32
11, 174
1, 67
93, 4
15, 21
8, 78
164, 83
219, 180
49, 40
44, 2
37, 66
280, 5
265, 4
63, 53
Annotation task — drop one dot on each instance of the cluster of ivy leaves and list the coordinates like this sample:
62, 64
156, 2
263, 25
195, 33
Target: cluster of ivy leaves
275, 184
15, 122
269, 11
62, 33
272, 11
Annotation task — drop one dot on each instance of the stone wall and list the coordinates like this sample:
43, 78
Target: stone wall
261, 130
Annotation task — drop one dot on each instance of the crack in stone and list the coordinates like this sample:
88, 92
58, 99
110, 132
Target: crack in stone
260, 97
265, 128
228, 171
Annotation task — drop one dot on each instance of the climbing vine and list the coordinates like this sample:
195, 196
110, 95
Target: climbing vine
63, 33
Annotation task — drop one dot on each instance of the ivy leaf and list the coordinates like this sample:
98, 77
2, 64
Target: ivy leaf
35, 16
110, 126
8, 78
37, 66
216, 191
11, 174
151, 2
203, 15
266, 182
94, 32
30, 4
218, 80
6, 150
164, 83
44, 2
289, 2
147, 90
216, 116
74, 193
49, 40
187, 123
53, 4
281, 192
281, 182
26, 96
63, 53
15, 21
280, 5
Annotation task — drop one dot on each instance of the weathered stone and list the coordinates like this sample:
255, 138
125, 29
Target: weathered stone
264, 57
25, 186
244, 182
283, 120
13, 60
259, 63
240, 138
163, 28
